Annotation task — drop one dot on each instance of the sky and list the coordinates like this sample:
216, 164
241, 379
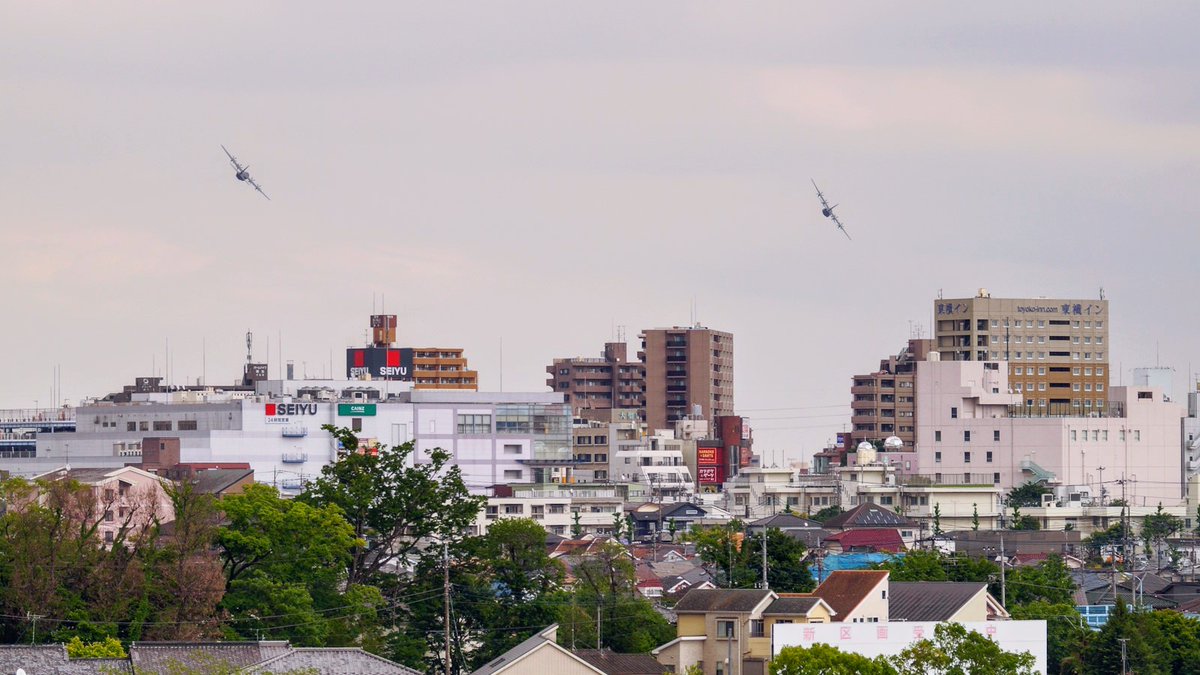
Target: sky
521, 178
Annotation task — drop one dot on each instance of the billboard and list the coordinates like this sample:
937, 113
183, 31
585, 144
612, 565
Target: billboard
747, 456
890, 638
707, 456
356, 409
710, 475
380, 363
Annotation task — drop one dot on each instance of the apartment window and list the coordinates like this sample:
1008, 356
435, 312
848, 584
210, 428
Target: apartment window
512, 474
1137, 434
108, 537
966, 457
989, 457
953, 413
1075, 340
1087, 371
995, 434
937, 456
1099, 386
1018, 370
1041, 323
512, 449
757, 628
108, 516
143, 426
131, 426
725, 628
1122, 435
474, 424
1029, 323
356, 424
1073, 436
1087, 386
1075, 371
1074, 324
1018, 387
996, 478
1104, 435
966, 437
1074, 386
937, 436
1099, 325
187, 425
1041, 370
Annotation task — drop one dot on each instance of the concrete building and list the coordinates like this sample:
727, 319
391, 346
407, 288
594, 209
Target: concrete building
658, 463
1056, 351
686, 367
882, 402
595, 441
968, 424
494, 438
127, 500
425, 367
611, 381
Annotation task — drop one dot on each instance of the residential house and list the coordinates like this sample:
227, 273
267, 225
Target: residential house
956, 601
870, 527
126, 499
539, 655
857, 596
613, 663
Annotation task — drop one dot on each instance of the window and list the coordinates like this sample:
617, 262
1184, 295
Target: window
937, 456
967, 457
1018, 371
989, 456
756, 628
966, 437
1018, 387
512, 474
356, 424
1137, 434
187, 425
512, 449
143, 426
1041, 370
1099, 371
937, 436
131, 426
108, 537
1099, 386
996, 478
953, 413
108, 516
474, 424
725, 628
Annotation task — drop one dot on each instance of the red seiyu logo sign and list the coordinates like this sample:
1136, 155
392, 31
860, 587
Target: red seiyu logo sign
270, 410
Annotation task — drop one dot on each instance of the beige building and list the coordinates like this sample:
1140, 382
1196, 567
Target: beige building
611, 381
686, 367
883, 402
442, 368
1056, 349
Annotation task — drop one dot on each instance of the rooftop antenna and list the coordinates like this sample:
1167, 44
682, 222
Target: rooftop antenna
1101, 292
249, 346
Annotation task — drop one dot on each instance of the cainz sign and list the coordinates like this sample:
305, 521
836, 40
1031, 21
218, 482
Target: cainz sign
290, 409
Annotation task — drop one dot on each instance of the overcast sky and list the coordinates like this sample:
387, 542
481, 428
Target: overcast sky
538, 173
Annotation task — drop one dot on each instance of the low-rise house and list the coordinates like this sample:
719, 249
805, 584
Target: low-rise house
539, 655
875, 518
956, 601
126, 500
856, 596
613, 663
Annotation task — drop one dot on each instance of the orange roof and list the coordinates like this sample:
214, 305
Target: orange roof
844, 590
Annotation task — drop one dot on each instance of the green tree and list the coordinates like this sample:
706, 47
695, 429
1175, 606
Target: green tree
393, 503
607, 584
821, 659
1028, 494
827, 513
514, 584
1023, 522
672, 527
787, 566
618, 526
109, 648
1158, 527
937, 519
1102, 655
974, 517
720, 550
286, 560
954, 650
1065, 635
915, 566
576, 527
1049, 581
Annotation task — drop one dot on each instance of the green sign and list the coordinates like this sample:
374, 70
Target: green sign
356, 409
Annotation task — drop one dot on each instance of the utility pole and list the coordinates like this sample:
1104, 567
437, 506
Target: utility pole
599, 609
1003, 564
1124, 668
33, 618
446, 598
766, 585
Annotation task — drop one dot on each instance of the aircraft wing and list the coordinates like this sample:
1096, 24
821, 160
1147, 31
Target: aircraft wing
232, 159
258, 187
839, 225
824, 204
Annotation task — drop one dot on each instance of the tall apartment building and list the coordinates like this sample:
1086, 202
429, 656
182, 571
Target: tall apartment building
1057, 350
883, 401
612, 381
686, 367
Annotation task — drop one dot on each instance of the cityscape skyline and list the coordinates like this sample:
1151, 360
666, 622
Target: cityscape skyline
453, 175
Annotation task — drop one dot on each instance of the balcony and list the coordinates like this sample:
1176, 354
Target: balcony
295, 432
945, 479
294, 457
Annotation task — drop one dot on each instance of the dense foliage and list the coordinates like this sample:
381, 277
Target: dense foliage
736, 561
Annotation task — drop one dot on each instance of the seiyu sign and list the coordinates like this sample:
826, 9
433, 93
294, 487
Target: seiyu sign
281, 412
380, 363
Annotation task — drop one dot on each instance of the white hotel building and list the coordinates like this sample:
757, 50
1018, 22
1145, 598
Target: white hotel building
494, 438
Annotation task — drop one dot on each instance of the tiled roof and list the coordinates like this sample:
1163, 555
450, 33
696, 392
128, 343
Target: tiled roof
929, 600
47, 659
792, 605
866, 538
843, 590
720, 600
868, 515
613, 663
785, 521
170, 656
331, 661
216, 481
